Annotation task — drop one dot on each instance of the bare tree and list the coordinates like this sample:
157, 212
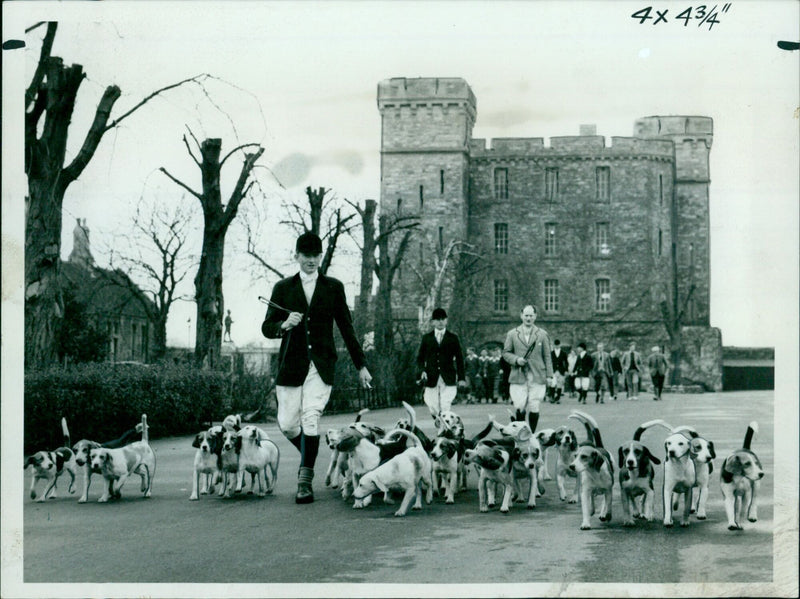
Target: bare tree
673, 314
156, 259
217, 219
49, 104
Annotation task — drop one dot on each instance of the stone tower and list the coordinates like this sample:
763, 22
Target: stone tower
426, 126
691, 137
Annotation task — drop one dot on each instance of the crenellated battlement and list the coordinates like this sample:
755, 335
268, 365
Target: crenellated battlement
579, 146
425, 92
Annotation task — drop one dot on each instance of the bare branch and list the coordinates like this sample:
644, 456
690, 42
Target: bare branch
189, 149
235, 149
182, 184
195, 79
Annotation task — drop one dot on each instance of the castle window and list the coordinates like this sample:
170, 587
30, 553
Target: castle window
660, 241
551, 295
551, 184
399, 205
501, 238
441, 238
421, 254
602, 245
133, 340
550, 239
501, 295
602, 295
501, 184
441, 182
661, 190
603, 176
421, 197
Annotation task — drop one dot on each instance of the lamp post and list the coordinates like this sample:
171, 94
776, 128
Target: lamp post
189, 333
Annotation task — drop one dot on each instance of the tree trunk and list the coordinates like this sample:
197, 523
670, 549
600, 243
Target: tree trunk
210, 301
362, 324
159, 350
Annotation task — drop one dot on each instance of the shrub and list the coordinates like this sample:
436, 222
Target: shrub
100, 401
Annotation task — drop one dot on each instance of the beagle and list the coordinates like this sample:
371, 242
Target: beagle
595, 471
410, 424
548, 440
83, 448
740, 480
259, 456
49, 465
337, 466
702, 453
567, 448
526, 458
232, 422
680, 477
116, 465
444, 456
206, 462
449, 424
409, 471
636, 473
494, 460
231, 445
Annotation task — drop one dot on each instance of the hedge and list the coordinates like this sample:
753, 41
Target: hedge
100, 401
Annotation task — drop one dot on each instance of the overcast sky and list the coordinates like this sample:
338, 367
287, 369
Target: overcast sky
300, 78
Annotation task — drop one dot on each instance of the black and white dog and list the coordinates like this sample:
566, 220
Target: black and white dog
740, 479
636, 473
595, 470
206, 462
49, 465
83, 448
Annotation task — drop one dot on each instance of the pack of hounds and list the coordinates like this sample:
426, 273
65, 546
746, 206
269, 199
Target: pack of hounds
367, 460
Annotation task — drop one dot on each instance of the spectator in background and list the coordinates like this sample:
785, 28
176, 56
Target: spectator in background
602, 373
583, 369
569, 383
632, 369
494, 372
616, 376
657, 365
483, 366
559, 371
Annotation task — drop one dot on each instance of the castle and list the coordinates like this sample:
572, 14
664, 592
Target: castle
606, 239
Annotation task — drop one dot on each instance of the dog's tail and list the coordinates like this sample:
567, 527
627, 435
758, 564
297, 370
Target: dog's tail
592, 429
412, 415
685, 428
145, 436
752, 429
637, 436
404, 433
65, 431
484, 433
249, 417
360, 414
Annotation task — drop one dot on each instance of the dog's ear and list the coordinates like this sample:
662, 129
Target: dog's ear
238, 444
197, 439
515, 454
621, 458
29, 461
651, 457
711, 451
597, 460
107, 457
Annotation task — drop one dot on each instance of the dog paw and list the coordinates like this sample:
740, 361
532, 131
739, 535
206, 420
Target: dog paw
692, 511
734, 527
629, 523
699, 517
449, 500
586, 527
605, 518
484, 509
531, 507
749, 519
667, 524
33, 494
399, 514
573, 500
491, 505
194, 498
102, 500
504, 510
82, 500
684, 524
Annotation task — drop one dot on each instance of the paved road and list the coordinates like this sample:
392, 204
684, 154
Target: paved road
271, 540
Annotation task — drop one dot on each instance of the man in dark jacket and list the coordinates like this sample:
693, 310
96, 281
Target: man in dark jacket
583, 369
302, 311
559, 371
441, 364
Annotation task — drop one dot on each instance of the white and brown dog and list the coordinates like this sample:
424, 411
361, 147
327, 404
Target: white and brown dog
83, 448
231, 445
595, 470
567, 447
493, 457
444, 456
549, 440
116, 465
260, 457
49, 465
680, 477
337, 466
740, 480
526, 459
409, 472
636, 473
206, 461
702, 453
